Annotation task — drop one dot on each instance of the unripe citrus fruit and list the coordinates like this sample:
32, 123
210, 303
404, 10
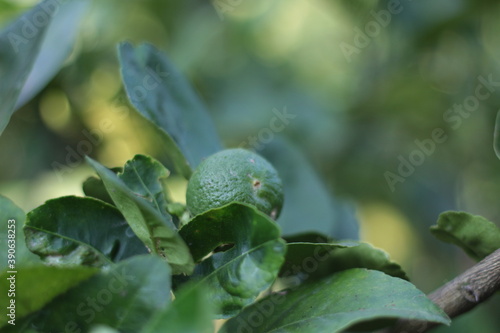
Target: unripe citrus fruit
235, 175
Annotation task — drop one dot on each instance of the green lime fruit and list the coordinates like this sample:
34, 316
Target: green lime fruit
235, 175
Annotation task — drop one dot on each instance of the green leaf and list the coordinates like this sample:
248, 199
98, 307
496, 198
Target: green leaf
303, 188
11, 224
20, 43
94, 187
145, 177
237, 275
80, 231
365, 256
336, 303
163, 97
57, 45
191, 311
103, 329
477, 236
155, 229
123, 297
313, 261
38, 285
310, 260
496, 136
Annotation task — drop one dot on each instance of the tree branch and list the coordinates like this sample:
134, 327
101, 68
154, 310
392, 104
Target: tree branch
461, 294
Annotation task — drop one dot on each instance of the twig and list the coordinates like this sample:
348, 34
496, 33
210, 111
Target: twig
461, 294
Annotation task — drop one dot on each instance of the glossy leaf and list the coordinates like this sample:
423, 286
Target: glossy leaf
83, 231
305, 260
313, 261
38, 285
12, 219
190, 312
253, 253
155, 229
163, 96
477, 236
124, 297
365, 255
336, 303
20, 44
303, 188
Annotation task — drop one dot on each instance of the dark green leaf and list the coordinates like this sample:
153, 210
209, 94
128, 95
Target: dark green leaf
253, 253
303, 188
313, 261
145, 177
82, 231
155, 229
496, 136
310, 260
190, 312
365, 256
164, 97
38, 285
124, 297
94, 187
477, 236
22, 256
20, 43
308, 237
336, 303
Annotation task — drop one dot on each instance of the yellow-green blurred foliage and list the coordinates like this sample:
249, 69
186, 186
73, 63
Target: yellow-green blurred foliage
357, 114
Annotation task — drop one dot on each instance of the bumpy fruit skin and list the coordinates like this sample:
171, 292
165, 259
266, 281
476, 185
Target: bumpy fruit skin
235, 175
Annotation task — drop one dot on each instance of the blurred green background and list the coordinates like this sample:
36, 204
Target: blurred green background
360, 85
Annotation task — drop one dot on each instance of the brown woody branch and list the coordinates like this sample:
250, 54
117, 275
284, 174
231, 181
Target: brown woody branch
461, 294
